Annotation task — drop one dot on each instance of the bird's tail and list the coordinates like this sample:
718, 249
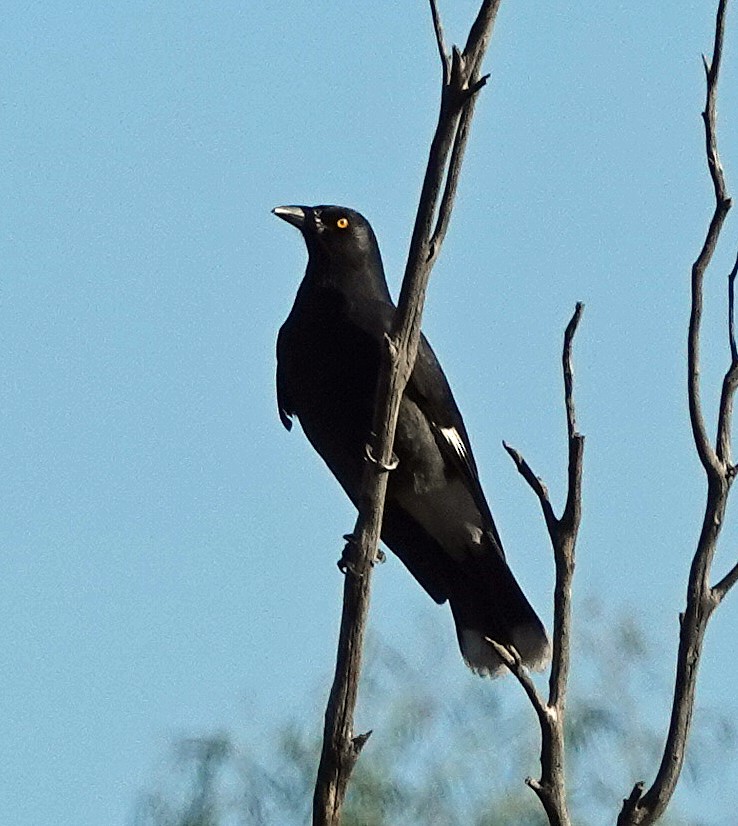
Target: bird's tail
487, 602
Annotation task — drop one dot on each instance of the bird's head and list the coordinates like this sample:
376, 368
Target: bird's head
341, 245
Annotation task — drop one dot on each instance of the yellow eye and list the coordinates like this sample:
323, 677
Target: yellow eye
342, 223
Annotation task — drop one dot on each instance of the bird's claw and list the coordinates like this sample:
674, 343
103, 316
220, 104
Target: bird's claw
369, 453
346, 564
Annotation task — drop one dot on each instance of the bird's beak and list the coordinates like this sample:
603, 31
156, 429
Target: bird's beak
294, 215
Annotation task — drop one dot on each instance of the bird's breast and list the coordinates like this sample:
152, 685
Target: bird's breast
330, 368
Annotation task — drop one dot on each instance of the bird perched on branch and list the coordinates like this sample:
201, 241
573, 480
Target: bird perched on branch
436, 517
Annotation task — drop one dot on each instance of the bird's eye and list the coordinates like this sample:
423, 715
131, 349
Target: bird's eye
342, 223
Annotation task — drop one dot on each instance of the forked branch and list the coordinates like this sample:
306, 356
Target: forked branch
645, 807
551, 788
460, 83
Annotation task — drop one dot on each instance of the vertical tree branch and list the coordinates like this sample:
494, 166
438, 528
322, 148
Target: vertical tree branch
646, 807
705, 450
551, 788
460, 83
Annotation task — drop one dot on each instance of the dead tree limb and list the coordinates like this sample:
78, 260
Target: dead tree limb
461, 81
563, 531
640, 807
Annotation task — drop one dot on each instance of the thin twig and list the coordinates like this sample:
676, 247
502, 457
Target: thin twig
536, 484
571, 328
340, 748
641, 808
438, 29
726, 583
512, 660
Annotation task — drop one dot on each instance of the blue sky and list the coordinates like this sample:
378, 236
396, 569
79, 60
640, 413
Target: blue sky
168, 549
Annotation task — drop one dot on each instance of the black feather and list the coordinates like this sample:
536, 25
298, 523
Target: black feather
436, 518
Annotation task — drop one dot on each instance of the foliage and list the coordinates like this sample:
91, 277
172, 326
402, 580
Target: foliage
450, 750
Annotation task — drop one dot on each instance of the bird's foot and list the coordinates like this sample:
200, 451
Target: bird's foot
369, 453
347, 562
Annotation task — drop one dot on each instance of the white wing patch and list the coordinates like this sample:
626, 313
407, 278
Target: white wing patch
451, 435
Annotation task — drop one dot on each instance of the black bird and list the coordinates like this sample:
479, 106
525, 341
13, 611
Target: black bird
436, 518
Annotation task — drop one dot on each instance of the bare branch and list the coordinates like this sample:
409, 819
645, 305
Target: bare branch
512, 660
460, 84
712, 73
641, 807
572, 510
565, 537
707, 454
536, 484
341, 749
480, 34
452, 177
551, 788
571, 328
442, 53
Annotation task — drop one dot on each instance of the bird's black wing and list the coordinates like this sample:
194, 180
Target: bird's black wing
430, 390
284, 404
